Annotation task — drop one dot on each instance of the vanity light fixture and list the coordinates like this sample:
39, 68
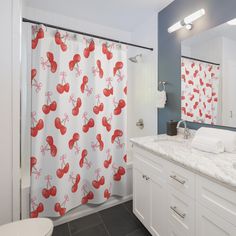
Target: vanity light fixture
187, 21
232, 22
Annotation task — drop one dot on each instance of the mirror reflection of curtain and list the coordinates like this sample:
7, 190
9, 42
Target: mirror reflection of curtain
199, 91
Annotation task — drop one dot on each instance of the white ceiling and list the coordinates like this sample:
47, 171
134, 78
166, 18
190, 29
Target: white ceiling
120, 14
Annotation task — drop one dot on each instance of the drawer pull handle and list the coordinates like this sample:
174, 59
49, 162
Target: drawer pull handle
144, 176
147, 178
175, 209
174, 177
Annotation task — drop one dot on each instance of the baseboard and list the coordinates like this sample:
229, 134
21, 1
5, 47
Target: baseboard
90, 209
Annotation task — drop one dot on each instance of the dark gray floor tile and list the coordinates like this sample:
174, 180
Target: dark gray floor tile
84, 223
140, 232
61, 230
129, 206
118, 221
98, 230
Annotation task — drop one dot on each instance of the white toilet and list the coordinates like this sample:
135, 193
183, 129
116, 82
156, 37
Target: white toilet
29, 227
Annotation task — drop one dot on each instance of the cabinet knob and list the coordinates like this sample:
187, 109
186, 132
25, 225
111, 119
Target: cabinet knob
174, 177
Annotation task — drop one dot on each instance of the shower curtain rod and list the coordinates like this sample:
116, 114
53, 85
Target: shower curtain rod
86, 34
195, 59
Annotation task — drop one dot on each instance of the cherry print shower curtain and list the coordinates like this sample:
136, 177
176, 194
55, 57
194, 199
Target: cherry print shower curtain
200, 83
78, 121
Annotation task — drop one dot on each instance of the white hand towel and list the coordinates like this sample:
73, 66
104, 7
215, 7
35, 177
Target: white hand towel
206, 144
161, 99
227, 137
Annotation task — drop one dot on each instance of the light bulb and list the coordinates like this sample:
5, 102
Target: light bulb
175, 27
191, 18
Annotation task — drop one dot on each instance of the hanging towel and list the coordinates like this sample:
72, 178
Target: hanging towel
227, 137
161, 99
208, 144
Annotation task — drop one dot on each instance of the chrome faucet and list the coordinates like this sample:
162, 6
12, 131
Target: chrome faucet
186, 130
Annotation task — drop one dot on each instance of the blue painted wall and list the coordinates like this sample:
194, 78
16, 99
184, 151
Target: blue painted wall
169, 47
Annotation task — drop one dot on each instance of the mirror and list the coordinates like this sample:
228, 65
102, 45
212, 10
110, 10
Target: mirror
208, 76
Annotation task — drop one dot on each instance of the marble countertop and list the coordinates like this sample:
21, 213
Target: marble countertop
221, 167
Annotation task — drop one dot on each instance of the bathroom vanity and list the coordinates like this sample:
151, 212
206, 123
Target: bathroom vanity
179, 191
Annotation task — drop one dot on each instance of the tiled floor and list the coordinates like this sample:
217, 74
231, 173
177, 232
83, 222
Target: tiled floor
116, 221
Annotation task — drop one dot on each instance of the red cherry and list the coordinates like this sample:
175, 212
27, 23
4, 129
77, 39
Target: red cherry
104, 48
63, 47
63, 130
90, 195
91, 46
102, 180
121, 103
53, 191
101, 106
50, 57
34, 214
77, 179
111, 91
40, 207
71, 65
58, 38
106, 164
117, 177
53, 150
59, 173
76, 58
76, 136
125, 90
118, 133
40, 34
46, 193
117, 111
34, 131
57, 207
49, 140
96, 184
33, 73
91, 123
33, 161
106, 92
46, 109
109, 55
86, 52
78, 102
66, 87
84, 200
114, 71
53, 66
40, 124
85, 80
99, 137
57, 123
96, 109
85, 128
110, 160
75, 111
125, 158
71, 144
107, 194
60, 88
99, 64
121, 170
53, 106
66, 168
62, 211
74, 188
119, 65
82, 88
81, 162
34, 43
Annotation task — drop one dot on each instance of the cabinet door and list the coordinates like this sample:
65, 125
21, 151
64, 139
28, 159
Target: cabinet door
157, 206
140, 196
210, 224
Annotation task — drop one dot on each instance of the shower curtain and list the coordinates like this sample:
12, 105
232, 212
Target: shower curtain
78, 121
200, 83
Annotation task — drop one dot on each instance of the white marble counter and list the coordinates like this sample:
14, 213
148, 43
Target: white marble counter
221, 167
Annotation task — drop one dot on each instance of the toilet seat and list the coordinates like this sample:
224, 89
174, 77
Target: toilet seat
28, 227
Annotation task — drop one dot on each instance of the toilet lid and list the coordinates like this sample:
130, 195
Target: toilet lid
29, 227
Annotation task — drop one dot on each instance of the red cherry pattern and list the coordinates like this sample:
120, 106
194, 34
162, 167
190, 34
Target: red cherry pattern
106, 51
60, 40
52, 62
89, 49
75, 60
199, 98
39, 35
119, 106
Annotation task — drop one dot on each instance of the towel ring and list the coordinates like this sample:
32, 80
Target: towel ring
163, 83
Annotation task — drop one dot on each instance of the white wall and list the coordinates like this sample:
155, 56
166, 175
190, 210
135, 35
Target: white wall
9, 124
142, 83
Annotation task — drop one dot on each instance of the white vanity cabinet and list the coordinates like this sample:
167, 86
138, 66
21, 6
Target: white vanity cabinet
173, 201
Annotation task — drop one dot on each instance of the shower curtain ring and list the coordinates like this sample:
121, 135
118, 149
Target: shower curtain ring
163, 83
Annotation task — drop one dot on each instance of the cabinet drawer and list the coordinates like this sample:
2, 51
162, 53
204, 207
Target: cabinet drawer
217, 198
181, 179
181, 212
